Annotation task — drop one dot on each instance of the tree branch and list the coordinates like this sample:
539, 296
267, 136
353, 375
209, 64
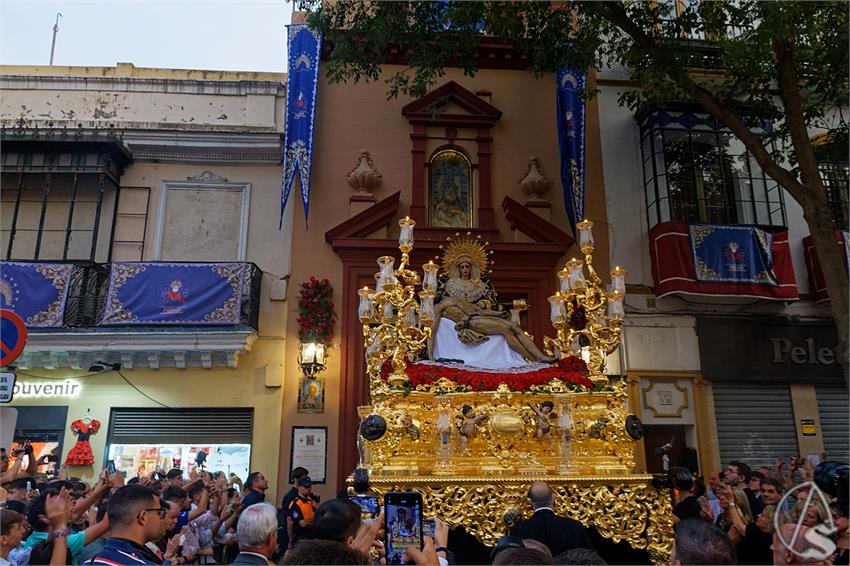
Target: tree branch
789, 92
615, 12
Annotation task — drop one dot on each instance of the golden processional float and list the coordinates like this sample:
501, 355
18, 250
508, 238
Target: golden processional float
472, 439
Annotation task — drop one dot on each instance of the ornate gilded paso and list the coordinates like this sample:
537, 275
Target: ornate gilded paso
471, 450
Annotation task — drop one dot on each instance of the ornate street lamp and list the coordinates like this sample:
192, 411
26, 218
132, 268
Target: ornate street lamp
311, 358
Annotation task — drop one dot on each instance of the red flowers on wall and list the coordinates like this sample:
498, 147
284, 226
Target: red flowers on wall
316, 314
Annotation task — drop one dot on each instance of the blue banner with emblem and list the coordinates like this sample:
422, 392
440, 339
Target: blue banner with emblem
571, 113
35, 291
174, 293
305, 48
732, 254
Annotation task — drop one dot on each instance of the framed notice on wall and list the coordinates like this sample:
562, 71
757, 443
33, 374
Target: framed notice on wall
310, 451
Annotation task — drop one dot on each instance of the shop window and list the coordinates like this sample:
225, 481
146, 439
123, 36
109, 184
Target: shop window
143, 459
696, 171
449, 190
141, 441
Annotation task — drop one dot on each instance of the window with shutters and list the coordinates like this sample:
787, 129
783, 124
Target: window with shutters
755, 423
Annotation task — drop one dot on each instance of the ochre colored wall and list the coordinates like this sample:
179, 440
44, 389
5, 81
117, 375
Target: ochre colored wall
220, 387
350, 118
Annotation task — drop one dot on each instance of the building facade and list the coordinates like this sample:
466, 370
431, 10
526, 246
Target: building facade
377, 161
729, 373
153, 174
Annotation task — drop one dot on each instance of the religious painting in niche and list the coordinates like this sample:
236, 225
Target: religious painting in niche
450, 190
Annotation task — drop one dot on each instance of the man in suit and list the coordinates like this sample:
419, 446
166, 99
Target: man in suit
557, 533
257, 534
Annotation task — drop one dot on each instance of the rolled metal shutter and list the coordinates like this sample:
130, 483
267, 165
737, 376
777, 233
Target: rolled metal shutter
181, 426
755, 423
834, 406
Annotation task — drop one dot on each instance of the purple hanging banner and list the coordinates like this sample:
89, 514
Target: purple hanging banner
302, 85
571, 109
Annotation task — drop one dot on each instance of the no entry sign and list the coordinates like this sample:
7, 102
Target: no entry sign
13, 337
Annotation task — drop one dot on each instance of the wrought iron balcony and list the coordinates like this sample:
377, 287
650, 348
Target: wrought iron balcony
70, 308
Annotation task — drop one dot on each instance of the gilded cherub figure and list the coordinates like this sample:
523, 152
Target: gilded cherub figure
467, 425
544, 429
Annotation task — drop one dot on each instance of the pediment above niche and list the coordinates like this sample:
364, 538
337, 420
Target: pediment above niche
451, 105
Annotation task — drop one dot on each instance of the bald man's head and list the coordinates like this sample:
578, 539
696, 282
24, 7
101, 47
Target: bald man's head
541, 495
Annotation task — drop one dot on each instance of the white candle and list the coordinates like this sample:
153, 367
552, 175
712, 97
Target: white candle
387, 276
575, 267
429, 279
564, 281
426, 307
618, 279
405, 237
365, 310
557, 311
615, 305
585, 236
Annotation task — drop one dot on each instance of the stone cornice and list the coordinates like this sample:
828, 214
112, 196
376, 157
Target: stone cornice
134, 84
167, 348
259, 146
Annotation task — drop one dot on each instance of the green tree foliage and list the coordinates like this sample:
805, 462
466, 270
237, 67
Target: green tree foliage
740, 60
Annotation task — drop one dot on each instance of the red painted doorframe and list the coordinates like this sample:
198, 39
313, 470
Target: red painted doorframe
521, 268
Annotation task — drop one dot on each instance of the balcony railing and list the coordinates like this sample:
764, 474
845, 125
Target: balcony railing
87, 294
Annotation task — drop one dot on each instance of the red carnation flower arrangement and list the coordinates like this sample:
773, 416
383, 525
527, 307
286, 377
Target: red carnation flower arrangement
316, 311
571, 370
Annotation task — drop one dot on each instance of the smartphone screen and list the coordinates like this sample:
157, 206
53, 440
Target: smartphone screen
368, 506
403, 523
110, 466
429, 527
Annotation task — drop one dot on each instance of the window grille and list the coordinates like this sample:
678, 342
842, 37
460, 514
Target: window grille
695, 170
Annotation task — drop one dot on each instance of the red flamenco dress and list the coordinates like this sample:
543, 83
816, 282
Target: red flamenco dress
81, 454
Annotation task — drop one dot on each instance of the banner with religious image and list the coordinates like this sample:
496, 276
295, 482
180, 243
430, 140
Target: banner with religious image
732, 254
571, 113
305, 48
703, 259
174, 293
35, 291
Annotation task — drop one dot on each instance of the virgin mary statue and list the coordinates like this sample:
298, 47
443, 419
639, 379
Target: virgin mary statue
470, 325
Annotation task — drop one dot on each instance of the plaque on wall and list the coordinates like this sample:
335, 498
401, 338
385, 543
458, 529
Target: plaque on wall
665, 398
310, 451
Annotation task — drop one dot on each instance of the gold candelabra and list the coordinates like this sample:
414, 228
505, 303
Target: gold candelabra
588, 319
395, 324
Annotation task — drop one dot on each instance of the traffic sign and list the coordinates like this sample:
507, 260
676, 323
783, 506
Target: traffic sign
7, 386
13, 337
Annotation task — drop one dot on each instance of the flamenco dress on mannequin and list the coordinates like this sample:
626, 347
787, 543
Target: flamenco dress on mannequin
81, 454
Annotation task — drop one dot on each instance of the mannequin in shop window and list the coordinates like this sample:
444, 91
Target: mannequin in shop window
81, 454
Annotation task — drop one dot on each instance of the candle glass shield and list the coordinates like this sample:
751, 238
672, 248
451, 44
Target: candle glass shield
387, 274
585, 236
365, 309
405, 237
618, 280
429, 278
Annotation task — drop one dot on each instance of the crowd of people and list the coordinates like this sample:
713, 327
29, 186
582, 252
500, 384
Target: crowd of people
212, 518
762, 516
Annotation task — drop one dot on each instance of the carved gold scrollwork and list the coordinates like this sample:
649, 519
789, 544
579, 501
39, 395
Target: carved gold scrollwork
621, 508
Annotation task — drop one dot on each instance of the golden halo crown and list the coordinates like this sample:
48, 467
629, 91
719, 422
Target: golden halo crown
467, 246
